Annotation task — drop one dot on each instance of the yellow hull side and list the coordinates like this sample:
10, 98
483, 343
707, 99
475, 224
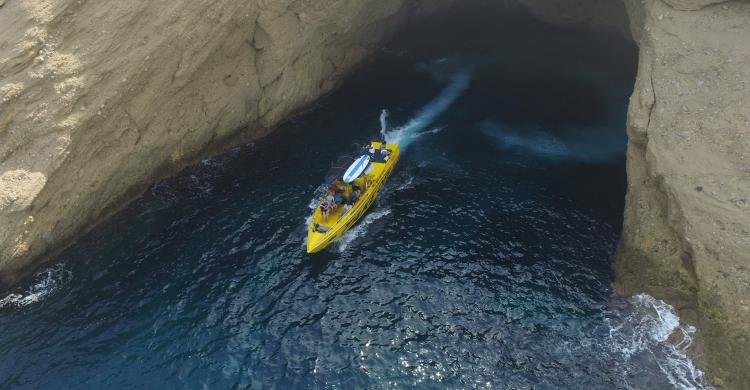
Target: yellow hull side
339, 225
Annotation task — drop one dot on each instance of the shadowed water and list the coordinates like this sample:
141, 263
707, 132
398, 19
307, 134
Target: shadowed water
484, 264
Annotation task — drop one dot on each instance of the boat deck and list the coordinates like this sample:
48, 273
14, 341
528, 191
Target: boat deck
333, 217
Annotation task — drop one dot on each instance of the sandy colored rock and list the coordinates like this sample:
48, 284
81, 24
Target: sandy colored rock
100, 99
608, 16
18, 188
686, 236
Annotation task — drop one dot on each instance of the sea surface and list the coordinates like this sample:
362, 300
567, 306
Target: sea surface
485, 263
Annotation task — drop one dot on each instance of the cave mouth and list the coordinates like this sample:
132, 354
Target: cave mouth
536, 94
485, 262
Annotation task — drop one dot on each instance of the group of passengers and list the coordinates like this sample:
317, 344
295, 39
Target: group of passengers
346, 195
343, 194
379, 155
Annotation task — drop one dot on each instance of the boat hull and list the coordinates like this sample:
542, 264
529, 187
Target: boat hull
338, 224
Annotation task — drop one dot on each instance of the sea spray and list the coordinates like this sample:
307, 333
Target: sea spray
403, 135
360, 229
43, 284
644, 331
383, 122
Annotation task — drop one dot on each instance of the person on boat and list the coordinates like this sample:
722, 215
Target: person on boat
384, 152
327, 205
348, 193
380, 155
341, 189
346, 209
334, 189
356, 193
374, 154
325, 208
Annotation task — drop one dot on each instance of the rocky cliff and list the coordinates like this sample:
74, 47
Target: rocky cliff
99, 99
686, 236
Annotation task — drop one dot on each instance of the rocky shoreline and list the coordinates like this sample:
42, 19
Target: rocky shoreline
685, 236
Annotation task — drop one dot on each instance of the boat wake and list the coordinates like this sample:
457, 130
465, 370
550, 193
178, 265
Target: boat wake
44, 283
360, 229
415, 127
651, 332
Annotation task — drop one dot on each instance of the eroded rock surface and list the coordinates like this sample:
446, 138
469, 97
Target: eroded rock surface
100, 98
686, 236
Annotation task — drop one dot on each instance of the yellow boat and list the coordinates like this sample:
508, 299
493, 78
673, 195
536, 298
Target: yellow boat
326, 228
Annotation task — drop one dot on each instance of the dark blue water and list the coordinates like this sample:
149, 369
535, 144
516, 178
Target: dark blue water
486, 262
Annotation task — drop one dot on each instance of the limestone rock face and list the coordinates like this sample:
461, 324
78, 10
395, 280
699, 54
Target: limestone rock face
686, 235
596, 15
100, 98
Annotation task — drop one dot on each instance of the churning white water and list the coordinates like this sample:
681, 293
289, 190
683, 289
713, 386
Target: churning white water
415, 127
360, 229
644, 334
45, 282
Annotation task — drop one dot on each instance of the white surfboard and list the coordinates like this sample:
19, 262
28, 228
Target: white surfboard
357, 168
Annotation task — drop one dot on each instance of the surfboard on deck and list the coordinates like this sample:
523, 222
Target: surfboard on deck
357, 168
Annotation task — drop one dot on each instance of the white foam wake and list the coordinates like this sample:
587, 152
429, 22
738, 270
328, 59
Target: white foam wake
360, 229
383, 121
646, 331
44, 283
403, 135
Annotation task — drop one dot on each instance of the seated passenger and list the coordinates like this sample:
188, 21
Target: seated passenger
346, 209
381, 155
385, 152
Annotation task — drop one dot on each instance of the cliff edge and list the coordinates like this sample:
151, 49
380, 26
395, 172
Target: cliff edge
686, 235
100, 99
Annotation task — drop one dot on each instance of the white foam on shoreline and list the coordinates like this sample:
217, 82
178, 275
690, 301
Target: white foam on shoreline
44, 283
647, 330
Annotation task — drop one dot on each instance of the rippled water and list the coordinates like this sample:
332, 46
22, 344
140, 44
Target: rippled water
484, 264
